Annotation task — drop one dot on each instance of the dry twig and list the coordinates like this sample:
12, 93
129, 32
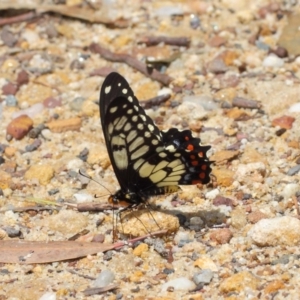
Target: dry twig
167, 40
132, 62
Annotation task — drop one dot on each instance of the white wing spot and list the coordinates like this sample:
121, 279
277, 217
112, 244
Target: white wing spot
121, 123
132, 134
134, 118
140, 126
124, 91
160, 165
162, 154
147, 134
130, 99
136, 108
136, 143
158, 176
151, 127
143, 118
129, 111
141, 151
110, 128
171, 148
154, 142
124, 106
113, 109
146, 169
138, 163
107, 89
127, 126
120, 155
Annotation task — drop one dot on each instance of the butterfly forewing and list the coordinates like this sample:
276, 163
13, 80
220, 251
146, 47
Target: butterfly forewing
147, 161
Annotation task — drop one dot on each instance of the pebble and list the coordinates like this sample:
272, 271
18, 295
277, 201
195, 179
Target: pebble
225, 177
48, 296
276, 231
58, 126
220, 200
205, 262
52, 102
295, 108
141, 222
140, 249
44, 173
203, 277
238, 218
75, 164
273, 61
179, 284
224, 156
22, 78
217, 66
19, 127
212, 194
105, 278
239, 282
33, 146
221, 236
205, 101
9, 89
290, 190
294, 170
256, 216
76, 104
11, 100
285, 122
83, 197
31, 111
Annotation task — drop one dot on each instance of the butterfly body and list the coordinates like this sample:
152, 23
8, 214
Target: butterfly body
146, 161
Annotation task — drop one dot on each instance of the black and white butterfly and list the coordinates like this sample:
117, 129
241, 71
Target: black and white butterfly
146, 161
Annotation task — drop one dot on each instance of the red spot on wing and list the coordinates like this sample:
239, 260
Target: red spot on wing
190, 147
196, 181
194, 162
202, 175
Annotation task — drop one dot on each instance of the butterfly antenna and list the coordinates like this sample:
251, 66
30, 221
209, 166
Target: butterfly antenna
90, 178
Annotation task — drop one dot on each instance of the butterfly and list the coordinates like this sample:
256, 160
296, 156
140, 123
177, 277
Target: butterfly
146, 161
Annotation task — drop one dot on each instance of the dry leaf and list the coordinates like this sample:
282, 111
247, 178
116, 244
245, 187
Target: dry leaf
24, 252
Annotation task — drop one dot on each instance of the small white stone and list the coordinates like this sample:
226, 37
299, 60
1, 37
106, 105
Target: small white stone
290, 190
179, 284
295, 108
83, 197
48, 296
211, 195
273, 61
31, 111
75, 164
104, 279
283, 231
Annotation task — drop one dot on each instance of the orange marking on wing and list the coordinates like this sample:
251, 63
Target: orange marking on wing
202, 175
186, 138
190, 147
194, 162
196, 181
192, 156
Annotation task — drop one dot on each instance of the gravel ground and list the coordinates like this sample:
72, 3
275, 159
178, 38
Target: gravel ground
232, 72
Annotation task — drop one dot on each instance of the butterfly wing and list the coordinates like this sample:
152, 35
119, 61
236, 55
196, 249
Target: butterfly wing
145, 160
130, 135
